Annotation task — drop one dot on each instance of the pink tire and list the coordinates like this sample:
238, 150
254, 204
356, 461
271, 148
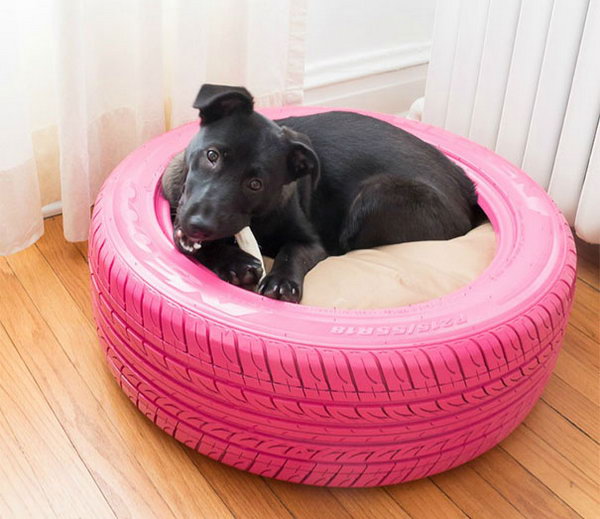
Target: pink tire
330, 397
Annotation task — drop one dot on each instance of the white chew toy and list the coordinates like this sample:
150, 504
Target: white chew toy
247, 242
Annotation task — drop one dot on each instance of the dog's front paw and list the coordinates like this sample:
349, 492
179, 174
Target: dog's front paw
243, 270
281, 288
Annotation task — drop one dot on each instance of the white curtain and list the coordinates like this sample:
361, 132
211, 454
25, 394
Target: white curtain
83, 82
522, 77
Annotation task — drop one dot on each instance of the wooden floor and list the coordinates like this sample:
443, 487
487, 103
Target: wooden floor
72, 445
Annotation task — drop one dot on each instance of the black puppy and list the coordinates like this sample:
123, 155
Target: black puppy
308, 187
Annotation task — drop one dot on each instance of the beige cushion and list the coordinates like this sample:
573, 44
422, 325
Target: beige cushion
397, 275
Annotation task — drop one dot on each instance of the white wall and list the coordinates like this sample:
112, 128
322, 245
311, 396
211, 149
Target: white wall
367, 54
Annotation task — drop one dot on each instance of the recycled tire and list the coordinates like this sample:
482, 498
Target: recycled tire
323, 396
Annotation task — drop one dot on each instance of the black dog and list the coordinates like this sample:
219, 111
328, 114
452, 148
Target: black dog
308, 187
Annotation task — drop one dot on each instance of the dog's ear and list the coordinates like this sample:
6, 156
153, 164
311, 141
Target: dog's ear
173, 180
217, 101
302, 159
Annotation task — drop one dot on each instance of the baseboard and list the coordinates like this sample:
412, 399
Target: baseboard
389, 92
52, 209
348, 68
388, 80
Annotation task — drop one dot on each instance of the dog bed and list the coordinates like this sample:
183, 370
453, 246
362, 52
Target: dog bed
330, 396
398, 275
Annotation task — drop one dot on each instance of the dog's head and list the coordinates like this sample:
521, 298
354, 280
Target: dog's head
237, 166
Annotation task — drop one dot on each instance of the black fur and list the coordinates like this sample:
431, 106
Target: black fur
331, 183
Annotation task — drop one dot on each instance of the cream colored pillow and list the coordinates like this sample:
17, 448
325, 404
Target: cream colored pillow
397, 275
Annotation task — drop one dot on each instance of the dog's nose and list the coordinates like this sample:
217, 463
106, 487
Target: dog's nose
198, 228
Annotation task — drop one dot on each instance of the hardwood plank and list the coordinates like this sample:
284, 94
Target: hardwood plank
588, 263
36, 449
574, 406
82, 247
516, 484
67, 263
565, 438
423, 498
374, 503
554, 470
53, 227
79, 412
579, 375
474, 495
21, 494
70, 369
585, 314
246, 495
308, 502
21, 491
582, 347
72, 269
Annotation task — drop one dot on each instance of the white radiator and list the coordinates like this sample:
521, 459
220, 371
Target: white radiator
522, 77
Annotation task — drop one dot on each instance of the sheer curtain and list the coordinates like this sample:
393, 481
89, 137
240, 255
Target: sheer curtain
522, 77
82, 83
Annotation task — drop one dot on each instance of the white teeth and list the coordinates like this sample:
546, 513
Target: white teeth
185, 243
186, 247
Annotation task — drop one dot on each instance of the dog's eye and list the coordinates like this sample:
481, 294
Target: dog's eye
255, 184
212, 155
